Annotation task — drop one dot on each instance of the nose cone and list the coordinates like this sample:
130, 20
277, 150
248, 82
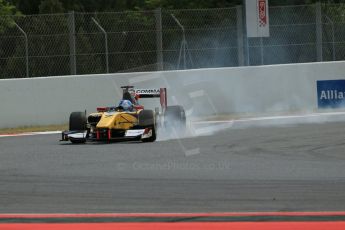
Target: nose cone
107, 120
117, 120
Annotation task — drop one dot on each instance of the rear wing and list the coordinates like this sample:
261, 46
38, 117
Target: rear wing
149, 93
152, 93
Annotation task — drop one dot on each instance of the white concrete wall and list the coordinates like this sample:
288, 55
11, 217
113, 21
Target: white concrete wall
261, 89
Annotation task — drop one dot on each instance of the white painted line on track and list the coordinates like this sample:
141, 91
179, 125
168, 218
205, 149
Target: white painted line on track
267, 118
212, 122
29, 134
311, 115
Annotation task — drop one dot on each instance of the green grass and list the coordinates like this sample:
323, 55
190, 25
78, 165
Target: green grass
26, 129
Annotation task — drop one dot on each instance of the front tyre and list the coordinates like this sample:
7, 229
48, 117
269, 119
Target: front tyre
77, 122
153, 136
147, 120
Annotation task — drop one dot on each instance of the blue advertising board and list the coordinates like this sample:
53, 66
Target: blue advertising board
331, 93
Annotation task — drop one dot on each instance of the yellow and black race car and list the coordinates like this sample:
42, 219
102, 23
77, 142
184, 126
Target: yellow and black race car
120, 123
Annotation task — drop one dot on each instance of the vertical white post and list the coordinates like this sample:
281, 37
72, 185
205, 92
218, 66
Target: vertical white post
333, 37
72, 49
105, 43
240, 49
318, 19
183, 43
26, 50
159, 39
262, 51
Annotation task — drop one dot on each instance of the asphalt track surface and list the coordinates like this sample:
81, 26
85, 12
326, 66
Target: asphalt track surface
269, 168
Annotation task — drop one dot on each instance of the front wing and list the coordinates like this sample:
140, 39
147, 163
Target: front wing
106, 135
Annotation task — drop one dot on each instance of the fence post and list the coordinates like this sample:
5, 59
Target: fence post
318, 20
159, 39
240, 50
183, 47
72, 49
26, 50
333, 37
105, 44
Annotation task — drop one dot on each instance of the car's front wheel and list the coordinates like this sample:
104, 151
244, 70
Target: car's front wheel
77, 122
147, 121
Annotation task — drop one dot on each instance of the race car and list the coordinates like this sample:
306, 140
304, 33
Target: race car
127, 121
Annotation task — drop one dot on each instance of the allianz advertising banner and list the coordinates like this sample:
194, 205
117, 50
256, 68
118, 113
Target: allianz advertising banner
331, 93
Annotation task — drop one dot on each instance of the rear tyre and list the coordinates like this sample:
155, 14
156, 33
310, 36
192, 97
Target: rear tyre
175, 117
147, 120
77, 122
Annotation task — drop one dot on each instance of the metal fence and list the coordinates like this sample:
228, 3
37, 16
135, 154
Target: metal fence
91, 43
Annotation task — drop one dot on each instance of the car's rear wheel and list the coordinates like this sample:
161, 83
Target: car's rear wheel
175, 117
147, 120
77, 122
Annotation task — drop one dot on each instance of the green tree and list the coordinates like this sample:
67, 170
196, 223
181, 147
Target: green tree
51, 7
7, 10
27, 7
187, 4
34, 6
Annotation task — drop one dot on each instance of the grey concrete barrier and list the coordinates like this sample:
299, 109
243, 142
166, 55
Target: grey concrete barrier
203, 92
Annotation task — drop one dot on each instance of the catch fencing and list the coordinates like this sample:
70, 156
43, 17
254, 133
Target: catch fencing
109, 42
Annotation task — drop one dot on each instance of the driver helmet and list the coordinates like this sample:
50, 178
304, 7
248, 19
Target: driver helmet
126, 105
